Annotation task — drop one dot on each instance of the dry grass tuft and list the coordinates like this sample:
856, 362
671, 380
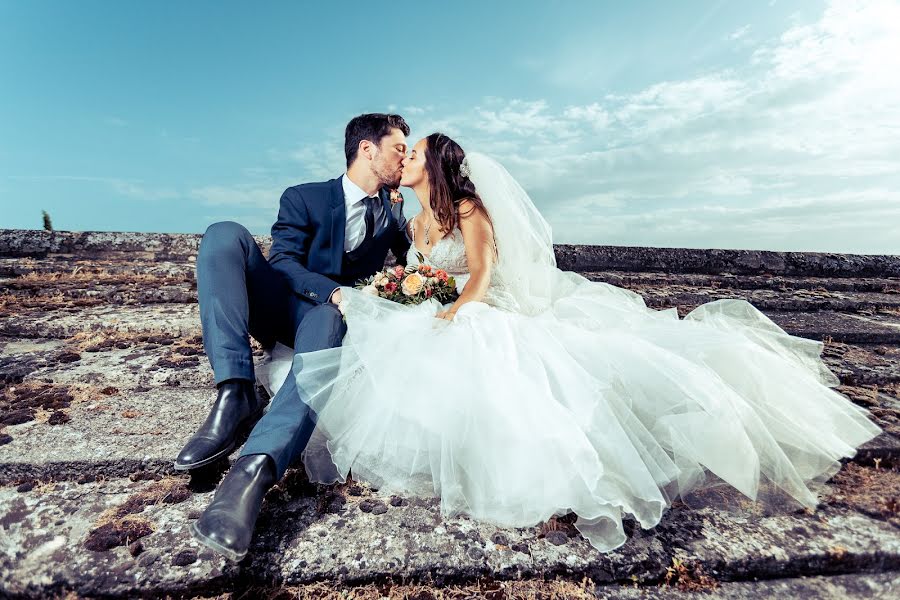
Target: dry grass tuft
537, 589
98, 340
168, 490
97, 277
688, 576
565, 524
120, 532
874, 491
118, 523
25, 402
17, 305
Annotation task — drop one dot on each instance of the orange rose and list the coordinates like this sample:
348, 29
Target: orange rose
413, 284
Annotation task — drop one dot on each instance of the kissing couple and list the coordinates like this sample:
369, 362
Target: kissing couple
536, 393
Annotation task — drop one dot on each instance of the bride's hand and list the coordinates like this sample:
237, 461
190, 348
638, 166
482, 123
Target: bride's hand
445, 314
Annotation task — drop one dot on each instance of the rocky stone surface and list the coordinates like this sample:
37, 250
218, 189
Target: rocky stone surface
67, 532
103, 378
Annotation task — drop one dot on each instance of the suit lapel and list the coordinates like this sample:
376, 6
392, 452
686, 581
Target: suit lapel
338, 224
385, 196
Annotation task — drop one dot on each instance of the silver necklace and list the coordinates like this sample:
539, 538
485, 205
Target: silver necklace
427, 229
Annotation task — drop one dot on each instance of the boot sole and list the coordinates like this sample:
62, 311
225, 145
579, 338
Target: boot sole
243, 430
214, 545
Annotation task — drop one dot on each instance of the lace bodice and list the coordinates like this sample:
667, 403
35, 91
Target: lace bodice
449, 254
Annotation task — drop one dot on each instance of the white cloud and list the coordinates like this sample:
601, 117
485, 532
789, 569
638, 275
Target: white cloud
596, 115
671, 104
318, 162
739, 33
240, 195
517, 117
132, 188
794, 149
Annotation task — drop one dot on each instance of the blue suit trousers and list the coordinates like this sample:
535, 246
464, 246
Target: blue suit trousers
241, 295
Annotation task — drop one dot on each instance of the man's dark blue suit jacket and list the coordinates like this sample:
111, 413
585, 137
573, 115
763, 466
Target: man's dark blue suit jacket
308, 239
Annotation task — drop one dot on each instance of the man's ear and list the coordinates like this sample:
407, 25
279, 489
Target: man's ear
367, 149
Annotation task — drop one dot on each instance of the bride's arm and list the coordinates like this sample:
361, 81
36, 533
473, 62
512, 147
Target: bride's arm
479, 241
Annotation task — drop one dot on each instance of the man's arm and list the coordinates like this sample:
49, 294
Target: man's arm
292, 234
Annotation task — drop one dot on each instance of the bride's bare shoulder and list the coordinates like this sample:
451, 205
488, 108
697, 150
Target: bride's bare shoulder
467, 208
474, 224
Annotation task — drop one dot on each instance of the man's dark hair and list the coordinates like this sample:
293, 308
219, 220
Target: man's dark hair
372, 127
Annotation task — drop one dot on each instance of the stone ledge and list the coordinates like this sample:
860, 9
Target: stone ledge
170, 246
735, 262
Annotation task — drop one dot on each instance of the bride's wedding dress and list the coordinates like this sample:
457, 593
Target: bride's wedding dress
559, 394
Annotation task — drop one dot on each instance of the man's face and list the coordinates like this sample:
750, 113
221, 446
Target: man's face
388, 161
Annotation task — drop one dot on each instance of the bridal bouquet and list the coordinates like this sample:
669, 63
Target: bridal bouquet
412, 285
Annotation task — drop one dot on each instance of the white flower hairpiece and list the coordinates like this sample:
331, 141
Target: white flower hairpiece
464, 168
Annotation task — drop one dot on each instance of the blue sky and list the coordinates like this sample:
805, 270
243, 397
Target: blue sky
771, 124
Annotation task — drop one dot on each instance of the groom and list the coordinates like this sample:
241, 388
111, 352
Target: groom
327, 235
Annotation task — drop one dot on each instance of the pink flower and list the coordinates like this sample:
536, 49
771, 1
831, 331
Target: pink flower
390, 287
398, 272
428, 292
442, 275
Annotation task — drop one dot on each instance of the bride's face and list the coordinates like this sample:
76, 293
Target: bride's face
414, 166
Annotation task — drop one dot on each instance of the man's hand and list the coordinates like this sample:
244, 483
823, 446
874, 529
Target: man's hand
335, 297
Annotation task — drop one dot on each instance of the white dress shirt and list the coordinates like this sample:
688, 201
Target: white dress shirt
355, 228
355, 225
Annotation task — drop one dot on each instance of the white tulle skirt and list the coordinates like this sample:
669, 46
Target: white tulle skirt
599, 406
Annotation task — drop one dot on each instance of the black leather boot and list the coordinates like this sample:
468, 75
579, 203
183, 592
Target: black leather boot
227, 524
235, 411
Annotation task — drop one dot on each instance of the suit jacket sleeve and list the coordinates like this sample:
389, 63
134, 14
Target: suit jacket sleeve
401, 241
292, 235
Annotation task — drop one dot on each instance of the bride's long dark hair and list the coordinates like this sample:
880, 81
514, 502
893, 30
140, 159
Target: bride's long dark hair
449, 187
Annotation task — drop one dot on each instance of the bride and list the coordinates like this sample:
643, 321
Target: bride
539, 392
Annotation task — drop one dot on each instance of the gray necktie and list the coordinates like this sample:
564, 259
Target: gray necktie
370, 224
